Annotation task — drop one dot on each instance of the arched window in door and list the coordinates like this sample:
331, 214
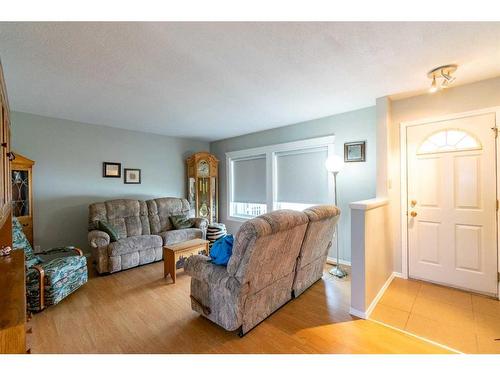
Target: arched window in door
449, 140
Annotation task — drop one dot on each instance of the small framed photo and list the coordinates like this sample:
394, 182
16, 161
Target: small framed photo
132, 176
110, 169
355, 151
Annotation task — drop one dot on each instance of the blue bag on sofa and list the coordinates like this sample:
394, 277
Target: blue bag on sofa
221, 250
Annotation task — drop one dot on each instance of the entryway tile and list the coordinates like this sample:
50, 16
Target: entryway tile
390, 315
488, 345
488, 325
461, 320
463, 340
488, 332
446, 295
399, 299
455, 315
485, 305
407, 286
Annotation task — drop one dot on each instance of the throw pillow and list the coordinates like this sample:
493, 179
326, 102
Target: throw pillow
181, 221
109, 229
221, 250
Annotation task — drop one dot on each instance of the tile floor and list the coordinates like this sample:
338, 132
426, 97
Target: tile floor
467, 322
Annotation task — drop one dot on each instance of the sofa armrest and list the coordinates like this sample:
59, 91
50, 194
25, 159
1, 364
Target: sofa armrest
200, 268
65, 249
59, 252
200, 222
98, 238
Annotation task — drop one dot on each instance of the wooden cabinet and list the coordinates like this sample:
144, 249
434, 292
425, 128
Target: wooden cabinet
13, 304
203, 185
5, 155
22, 193
12, 271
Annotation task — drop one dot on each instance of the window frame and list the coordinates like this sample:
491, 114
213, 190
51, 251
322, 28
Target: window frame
441, 149
271, 170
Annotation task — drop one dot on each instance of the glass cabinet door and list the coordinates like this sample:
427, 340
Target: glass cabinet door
20, 193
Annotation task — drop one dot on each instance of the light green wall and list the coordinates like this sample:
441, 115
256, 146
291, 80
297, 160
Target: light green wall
356, 182
68, 170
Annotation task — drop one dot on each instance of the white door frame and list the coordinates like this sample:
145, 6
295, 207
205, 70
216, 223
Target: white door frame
403, 176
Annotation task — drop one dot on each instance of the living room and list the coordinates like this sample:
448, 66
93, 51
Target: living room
249, 187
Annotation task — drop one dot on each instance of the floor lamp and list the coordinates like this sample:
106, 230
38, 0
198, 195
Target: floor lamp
334, 165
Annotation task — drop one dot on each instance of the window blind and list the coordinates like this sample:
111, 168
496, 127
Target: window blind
302, 176
249, 180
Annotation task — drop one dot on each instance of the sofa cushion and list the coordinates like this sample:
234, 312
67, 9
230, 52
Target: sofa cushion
128, 216
181, 221
109, 229
160, 210
171, 237
62, 277
19, 241
319, 234
266, 248
60, 268
134, 244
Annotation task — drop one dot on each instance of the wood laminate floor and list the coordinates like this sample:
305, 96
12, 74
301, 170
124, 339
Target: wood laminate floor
137, 311
464, 321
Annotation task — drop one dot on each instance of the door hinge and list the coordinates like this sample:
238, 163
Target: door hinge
498, 277
497, 204
495, 130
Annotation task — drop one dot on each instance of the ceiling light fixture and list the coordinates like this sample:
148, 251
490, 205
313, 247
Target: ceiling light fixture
442, 74
434, 86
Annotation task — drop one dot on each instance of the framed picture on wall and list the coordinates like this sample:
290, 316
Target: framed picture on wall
110, 169
132, 176
355, 151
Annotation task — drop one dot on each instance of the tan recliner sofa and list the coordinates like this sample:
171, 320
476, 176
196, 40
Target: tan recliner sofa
143, 228
269, 261
314, 250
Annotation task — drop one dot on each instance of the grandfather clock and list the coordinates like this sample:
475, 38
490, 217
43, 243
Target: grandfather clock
203, 185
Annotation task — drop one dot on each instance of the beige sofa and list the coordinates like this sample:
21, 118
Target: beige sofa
314, 250
270, 260
143, 228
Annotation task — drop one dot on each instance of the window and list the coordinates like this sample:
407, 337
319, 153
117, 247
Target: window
248, 190
302, 179
449, 140
284, 176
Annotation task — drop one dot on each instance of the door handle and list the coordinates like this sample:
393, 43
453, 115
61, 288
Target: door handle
413, 213
413, 203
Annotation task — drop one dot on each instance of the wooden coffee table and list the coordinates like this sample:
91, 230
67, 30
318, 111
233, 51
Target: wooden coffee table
172, 254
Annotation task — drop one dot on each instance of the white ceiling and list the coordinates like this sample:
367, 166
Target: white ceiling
216, 80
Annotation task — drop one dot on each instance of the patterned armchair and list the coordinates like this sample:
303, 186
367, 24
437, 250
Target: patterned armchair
51, 275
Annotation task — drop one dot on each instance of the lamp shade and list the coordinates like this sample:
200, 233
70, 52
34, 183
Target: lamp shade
334, 164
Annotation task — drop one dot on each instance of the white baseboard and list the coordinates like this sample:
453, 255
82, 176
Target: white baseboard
359, 314
330, 260
399, 275
379, 295
366, 314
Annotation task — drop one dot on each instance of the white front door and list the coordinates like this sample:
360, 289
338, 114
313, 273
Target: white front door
451, 171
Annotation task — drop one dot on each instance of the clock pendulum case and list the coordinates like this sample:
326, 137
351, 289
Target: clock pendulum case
203, 185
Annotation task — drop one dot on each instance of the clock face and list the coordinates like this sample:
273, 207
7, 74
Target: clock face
203, 168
